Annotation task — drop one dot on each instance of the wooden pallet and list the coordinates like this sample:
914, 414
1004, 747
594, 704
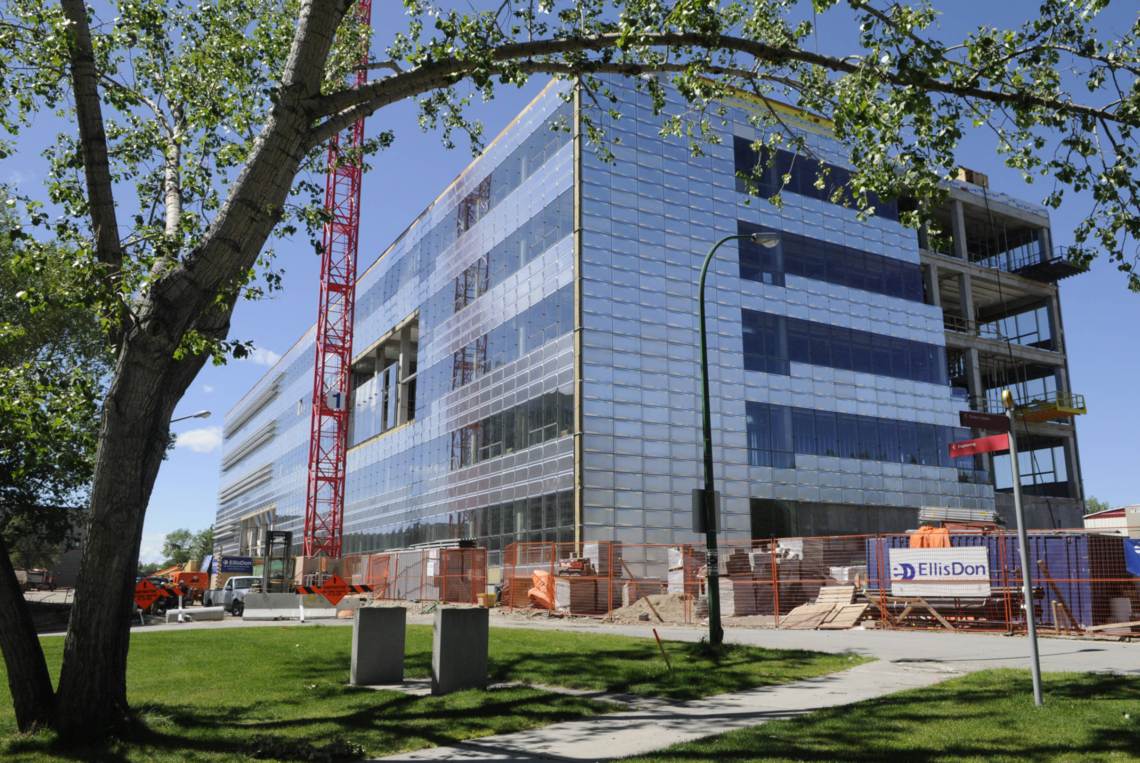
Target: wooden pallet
845, 616
833, 609
807, 616
836, 595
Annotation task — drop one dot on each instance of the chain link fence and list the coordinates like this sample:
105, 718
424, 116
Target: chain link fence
1082, 582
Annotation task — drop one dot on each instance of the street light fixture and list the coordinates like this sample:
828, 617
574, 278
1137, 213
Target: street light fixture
708, 496
198, 415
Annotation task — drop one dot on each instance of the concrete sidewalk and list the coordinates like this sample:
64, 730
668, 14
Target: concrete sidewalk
906, 660
644, 730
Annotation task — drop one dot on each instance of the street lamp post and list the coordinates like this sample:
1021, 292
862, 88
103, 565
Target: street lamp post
708, 496
198, 415
1023, 547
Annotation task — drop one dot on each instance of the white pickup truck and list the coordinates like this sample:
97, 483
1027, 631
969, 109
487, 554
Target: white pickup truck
229, 597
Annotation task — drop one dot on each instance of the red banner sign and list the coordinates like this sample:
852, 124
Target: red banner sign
994, 422
981, 445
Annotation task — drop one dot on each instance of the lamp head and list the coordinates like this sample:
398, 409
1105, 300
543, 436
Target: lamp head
1007, 399
201, 415
766, 240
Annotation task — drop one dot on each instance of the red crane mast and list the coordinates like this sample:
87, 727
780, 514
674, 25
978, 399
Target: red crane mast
332, 371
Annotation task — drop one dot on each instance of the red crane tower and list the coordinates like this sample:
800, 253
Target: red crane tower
332, 372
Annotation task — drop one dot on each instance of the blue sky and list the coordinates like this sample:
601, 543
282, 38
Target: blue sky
1101, 316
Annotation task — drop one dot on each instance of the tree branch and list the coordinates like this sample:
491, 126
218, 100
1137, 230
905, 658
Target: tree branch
338, 108
93, 139
341, 121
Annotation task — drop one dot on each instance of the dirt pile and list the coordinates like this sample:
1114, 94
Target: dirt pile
671, 607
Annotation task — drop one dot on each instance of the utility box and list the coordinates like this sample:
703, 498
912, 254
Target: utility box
459, 650
699, 521
378, 646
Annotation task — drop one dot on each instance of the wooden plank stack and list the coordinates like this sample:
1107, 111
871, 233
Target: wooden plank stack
833, 609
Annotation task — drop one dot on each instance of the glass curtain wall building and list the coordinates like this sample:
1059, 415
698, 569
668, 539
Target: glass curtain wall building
527, 366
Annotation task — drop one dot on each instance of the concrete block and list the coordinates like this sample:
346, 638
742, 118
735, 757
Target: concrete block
459, 650
378, 646
287, 606
195, 614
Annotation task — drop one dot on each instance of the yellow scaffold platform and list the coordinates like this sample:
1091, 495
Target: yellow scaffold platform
1051, 406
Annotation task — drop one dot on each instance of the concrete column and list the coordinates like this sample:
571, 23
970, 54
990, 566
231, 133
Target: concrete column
378, 646
382, 389
966, 297
1072, 467
930, 277
405, 365
1055, 330
977, 398
958, 229
924, 238
1046, 242
1062, 376
459, 650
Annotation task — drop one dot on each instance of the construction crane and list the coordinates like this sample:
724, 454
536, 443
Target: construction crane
332, 371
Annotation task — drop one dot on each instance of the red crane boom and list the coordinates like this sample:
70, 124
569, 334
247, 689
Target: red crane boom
332, 371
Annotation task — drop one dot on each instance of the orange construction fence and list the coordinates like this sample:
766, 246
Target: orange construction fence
450, 575
1082, 582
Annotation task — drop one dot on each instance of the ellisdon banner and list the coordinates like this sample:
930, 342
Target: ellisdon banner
241, 565
940, 572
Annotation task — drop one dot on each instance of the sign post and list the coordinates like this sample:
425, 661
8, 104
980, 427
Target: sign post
1023, 544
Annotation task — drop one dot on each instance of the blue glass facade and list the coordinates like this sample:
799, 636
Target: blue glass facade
507, 334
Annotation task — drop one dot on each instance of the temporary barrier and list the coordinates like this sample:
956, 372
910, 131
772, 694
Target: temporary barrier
450, 575
1082, 583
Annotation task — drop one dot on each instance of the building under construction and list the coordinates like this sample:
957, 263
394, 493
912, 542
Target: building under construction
526, 352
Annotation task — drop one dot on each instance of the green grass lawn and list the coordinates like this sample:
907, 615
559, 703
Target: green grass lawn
202, 695
985, 716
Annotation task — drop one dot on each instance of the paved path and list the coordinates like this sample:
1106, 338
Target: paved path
906, 660
662, 724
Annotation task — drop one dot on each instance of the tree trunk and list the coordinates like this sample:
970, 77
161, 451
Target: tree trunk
148, 384
28, 678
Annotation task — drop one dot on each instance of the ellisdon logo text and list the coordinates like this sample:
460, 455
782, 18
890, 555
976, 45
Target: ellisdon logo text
939, 570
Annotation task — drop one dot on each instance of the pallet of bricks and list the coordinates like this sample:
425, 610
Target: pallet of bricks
584, 585
745, 584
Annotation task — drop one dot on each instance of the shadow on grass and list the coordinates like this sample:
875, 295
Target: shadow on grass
640, 669
988, 716
383, 722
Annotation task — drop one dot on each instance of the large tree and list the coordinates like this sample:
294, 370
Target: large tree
195, 125
52, 361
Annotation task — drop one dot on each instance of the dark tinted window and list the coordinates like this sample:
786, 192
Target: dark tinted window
805, 176
776, 432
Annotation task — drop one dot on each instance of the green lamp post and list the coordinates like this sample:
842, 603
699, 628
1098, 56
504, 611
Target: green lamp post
708, 496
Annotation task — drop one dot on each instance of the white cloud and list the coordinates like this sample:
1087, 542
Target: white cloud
17, 178
264, 357
204, 440
207, 388
151, 548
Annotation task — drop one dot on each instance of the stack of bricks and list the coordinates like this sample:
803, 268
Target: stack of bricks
737, 586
